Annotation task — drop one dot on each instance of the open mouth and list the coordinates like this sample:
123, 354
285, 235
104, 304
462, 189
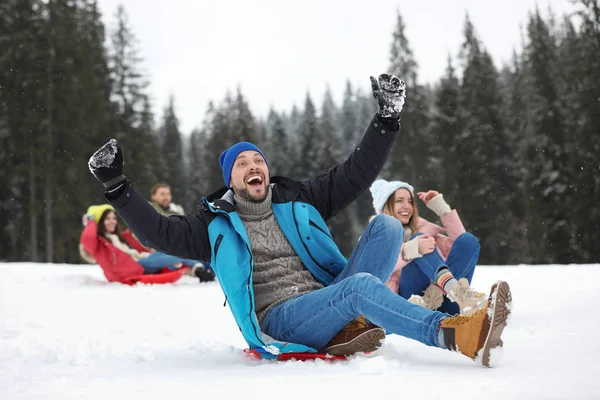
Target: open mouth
255, 180
404, 214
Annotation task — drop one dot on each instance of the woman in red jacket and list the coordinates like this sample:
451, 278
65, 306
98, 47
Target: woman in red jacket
118, 253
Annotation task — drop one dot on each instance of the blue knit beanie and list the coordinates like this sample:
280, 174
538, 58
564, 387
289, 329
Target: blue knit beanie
228, 157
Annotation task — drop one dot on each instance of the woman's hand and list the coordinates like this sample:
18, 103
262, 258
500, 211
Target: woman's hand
86, 218
426, 196
426, 244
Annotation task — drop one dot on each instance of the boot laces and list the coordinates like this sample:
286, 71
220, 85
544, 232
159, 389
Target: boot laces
463, 293
459, 319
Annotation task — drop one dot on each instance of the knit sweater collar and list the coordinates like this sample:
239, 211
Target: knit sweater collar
249, 208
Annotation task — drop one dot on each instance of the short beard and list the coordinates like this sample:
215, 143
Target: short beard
243, 194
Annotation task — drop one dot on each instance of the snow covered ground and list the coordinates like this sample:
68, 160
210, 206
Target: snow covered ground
65, 333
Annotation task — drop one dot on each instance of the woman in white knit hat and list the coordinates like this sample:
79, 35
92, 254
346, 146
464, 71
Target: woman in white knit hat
436, 263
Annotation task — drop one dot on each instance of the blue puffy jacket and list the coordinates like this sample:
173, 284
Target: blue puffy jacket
216, 234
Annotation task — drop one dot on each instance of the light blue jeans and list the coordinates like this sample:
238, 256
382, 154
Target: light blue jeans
314, 318
156, 261
461, 261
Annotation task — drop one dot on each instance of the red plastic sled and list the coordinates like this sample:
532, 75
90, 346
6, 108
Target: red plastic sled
253, 354
167, 276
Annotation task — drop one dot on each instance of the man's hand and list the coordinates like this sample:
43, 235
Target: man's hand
426, 244
107, 165
390, 92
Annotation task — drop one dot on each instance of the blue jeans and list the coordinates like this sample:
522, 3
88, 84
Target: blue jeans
156, 261
419, 274
314, 318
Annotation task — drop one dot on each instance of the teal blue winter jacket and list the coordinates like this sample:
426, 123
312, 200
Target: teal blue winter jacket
216, 234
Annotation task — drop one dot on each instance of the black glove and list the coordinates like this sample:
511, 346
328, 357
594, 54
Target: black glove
390, 92
203, 274
107, 165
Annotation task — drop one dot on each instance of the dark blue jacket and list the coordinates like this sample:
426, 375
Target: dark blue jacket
216, 234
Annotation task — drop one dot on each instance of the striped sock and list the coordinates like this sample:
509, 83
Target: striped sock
445, 279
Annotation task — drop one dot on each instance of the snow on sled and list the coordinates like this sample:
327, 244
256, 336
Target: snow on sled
257, 355
167, 276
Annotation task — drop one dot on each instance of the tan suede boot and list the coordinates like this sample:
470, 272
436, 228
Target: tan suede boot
356, 337
475, 335
468, 299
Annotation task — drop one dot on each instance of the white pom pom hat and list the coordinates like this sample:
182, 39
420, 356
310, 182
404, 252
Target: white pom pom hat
381, 190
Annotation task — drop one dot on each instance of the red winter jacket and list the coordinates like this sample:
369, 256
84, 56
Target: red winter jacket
116, 264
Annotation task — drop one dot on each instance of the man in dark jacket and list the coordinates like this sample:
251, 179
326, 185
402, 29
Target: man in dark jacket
287, 285
160, 199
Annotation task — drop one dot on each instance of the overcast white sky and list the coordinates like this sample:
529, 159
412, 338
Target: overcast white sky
277, 50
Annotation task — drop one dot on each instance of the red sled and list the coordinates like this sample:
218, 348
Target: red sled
167, 276
257, 355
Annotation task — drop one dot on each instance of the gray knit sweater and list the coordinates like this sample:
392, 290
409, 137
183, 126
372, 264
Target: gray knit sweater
278, 273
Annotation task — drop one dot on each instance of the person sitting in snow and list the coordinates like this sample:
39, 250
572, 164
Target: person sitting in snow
436, 268
118, 253
288, 286
160, 198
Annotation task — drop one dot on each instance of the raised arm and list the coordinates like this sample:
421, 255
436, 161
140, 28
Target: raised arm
182, 236
336, 189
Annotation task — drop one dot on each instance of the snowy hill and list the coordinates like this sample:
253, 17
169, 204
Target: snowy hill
65, 333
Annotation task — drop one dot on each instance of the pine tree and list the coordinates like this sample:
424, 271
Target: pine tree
195, 188
366, 107
445, 129
347, 120
546, 207
148, 149
21, 30
281, 156
308, 164
579, 69
197, 155
343, 225
292, 128
132, 105
232, 122
486, 175
172, 152
243, 122
515, 119
409, 157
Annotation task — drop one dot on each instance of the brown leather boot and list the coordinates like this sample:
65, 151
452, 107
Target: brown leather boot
356, 337
475, 335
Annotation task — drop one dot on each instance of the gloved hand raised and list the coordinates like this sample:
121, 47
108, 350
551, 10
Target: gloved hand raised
107, 165
390, 92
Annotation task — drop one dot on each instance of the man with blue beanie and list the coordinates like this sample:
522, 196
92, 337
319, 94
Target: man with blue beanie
288, 286
254, 188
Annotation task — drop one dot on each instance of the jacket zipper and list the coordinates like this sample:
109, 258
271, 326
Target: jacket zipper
249, 281
217, 245
314, 224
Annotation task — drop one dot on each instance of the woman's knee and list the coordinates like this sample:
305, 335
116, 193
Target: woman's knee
469, 240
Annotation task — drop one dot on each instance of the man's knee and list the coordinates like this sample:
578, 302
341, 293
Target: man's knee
469, 240
360, 282
387, 224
